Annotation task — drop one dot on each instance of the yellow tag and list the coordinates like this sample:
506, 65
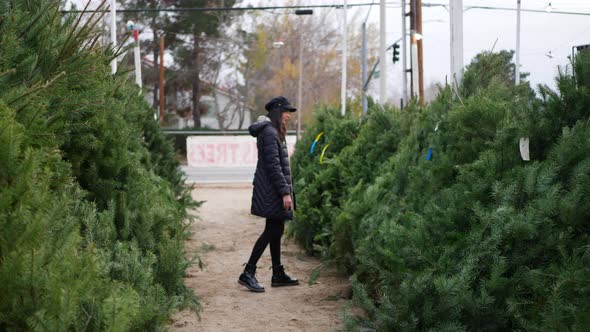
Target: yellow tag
317, 138
322, 155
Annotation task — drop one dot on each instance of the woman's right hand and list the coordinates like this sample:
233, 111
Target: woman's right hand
287, 202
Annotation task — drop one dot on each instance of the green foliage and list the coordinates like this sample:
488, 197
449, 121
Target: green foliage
92, 204
474, 238
314, 182
486, 68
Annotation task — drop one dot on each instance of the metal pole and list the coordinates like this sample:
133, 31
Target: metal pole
456, 21
344, 32
382, 54
420, 51
364, 68
404, 54
415, 88
137, 54
300, 87
162, 97
414, 48
114, 34
517, 59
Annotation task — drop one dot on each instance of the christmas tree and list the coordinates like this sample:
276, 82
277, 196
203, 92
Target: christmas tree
448, 228
92, 206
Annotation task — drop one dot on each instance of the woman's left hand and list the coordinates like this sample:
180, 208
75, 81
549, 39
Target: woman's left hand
287, 202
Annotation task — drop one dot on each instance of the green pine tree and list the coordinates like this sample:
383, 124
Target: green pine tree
472, 237
92, 207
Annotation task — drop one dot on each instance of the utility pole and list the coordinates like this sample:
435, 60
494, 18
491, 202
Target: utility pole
162, 97
344, 32
382, 55
456, 21
414, 49
137, 58
404, 53
114, 34
517, 60
420, 51
364, 68
300, 87
364, 79
300, 84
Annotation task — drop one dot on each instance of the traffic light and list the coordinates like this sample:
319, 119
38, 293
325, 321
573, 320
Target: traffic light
395, 52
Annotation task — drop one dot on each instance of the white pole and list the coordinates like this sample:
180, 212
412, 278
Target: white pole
414, 49
364, 67
137, 54
517, 59
114, 33
456, 20
344, 32
382, 52
415, 69
300, 85
404, 53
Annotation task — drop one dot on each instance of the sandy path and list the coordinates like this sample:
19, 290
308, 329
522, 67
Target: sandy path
224, 238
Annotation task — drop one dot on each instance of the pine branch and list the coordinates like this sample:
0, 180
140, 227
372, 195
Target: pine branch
37, 88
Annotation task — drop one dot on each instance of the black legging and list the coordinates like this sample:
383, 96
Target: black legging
273, 231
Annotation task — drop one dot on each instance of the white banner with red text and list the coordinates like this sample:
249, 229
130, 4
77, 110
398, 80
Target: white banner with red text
225, 151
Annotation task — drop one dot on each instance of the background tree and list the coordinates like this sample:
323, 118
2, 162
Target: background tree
247, 54
268, 71
153, 23
194, 33
487, 67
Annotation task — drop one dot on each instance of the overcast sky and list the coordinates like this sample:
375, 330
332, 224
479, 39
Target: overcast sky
541, 33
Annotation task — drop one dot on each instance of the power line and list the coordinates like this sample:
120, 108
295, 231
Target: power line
528, 10
218, 9
215, 9
369, 11
465, 8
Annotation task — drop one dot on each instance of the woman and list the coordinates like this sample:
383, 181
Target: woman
272, 197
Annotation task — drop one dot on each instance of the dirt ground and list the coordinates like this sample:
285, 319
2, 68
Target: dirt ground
224, 238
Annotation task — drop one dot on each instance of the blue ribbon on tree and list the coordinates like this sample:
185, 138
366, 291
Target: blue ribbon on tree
429, 155
317, 138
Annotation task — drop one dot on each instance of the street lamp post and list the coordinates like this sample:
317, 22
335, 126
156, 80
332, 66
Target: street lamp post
300, 84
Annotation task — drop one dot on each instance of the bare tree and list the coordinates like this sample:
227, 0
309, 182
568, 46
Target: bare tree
268, 71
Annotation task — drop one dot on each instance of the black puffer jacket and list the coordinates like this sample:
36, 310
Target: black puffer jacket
272, 179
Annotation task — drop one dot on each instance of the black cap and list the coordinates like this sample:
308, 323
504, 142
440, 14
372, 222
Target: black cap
280, 103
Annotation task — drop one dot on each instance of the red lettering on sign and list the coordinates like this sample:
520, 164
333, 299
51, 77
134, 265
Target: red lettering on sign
210, 154
246, 156
191, 154
201, 155
254, 155
222, 153
233, 153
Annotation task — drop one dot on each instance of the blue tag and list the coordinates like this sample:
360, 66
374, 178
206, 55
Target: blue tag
313, 147
429, 155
